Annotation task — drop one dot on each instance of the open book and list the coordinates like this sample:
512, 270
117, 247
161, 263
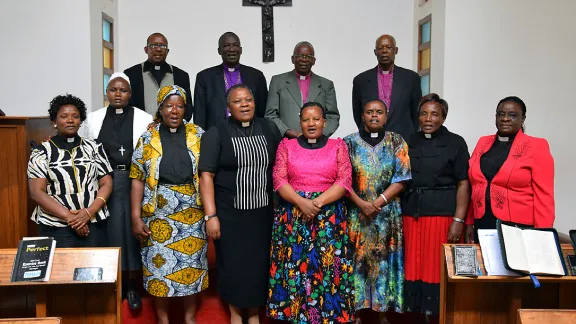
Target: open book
531, 250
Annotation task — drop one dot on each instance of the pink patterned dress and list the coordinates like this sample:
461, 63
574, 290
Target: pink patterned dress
311, 261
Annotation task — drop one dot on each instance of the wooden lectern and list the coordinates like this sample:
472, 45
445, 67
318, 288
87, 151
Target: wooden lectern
547, 316
497, 299
15, 203
76, 302
46, 320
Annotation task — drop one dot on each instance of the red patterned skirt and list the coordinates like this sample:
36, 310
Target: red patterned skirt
423, 239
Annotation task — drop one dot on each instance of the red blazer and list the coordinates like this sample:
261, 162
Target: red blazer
523, 189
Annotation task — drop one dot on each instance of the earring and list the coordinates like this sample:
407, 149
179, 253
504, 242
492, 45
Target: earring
55, 126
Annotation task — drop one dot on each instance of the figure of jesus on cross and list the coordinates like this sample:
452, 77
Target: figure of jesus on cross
267, 24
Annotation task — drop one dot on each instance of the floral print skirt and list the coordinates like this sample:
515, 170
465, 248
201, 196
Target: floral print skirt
174, 261
311, 266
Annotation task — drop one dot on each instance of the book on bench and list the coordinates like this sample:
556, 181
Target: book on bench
33, 261
531, 251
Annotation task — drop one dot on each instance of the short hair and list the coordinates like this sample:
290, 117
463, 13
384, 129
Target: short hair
155, 34
63, 100
313, 104
366, 102
227, 34
389, 36
516, 100
233, 88
433, 97
303, 43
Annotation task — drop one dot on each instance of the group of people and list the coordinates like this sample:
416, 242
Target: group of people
313, 228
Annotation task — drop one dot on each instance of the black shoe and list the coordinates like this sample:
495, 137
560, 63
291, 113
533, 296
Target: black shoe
134, 299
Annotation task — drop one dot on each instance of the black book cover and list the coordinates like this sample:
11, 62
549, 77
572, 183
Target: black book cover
33, 261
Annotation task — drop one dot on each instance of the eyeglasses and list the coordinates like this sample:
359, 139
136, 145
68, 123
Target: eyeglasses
304, 57
158, 46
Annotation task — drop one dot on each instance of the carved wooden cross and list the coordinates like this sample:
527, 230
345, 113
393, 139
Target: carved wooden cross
267, 24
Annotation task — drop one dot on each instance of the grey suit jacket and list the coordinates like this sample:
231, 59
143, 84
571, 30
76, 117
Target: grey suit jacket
285, 100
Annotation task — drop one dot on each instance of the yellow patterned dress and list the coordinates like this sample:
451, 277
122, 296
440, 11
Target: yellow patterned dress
174, 261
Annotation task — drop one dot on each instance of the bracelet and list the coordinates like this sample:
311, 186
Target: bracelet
88, 212
104, 200
384, 197
456, 219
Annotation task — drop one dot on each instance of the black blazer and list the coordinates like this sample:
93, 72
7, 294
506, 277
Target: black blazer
406, 95
210, 95
181, 79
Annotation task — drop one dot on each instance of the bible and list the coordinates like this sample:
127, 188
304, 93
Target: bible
465, 262
531, 251
33, 261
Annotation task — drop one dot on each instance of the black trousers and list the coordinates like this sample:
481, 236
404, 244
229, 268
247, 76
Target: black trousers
66, 237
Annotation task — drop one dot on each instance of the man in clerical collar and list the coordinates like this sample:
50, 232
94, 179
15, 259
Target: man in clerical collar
290, 90
397, 87
213, 83
146, 78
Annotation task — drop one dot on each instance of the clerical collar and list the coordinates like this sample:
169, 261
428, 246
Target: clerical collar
437, 133
149, 66
316, 143
231, 69
386, 72
118, 111
170, 130
66, 143
366, 133
241, 124
509, 138
303, 77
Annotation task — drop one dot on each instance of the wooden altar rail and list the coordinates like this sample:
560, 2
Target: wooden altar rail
76, 302
496, 299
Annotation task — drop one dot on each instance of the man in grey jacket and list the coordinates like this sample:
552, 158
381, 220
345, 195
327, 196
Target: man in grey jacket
290, 90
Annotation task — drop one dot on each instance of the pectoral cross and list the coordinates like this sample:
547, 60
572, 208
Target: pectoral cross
267, 24
121, 149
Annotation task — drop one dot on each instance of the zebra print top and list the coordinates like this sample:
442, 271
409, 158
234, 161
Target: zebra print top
71, 177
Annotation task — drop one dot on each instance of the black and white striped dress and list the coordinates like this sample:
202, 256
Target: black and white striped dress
71, 177
242, 159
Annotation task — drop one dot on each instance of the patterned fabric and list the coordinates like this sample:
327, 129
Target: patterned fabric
379, 254
385, 84
311, 261
167, 91
312, 170
71, 177
174, 257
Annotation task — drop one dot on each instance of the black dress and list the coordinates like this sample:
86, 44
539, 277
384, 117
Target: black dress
242, 159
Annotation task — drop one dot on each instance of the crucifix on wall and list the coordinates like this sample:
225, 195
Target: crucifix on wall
267, 24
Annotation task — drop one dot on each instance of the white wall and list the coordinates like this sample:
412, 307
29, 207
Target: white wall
342, 32
497, 48
45, 52
437, 10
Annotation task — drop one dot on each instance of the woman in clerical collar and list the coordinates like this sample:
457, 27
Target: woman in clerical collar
311, 258
236, 162
380, 169
69, 179
434, 204
512, 175
167, 211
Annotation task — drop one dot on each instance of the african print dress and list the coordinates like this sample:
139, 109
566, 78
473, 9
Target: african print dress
311, 261
379, 254
174, 261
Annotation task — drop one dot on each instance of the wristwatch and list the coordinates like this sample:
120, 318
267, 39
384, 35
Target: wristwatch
207, 217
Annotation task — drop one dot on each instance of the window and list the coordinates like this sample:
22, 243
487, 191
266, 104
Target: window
107, 51
424, 51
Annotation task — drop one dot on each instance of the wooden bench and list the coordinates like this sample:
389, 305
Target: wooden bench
74, 301
547, 316
45, 320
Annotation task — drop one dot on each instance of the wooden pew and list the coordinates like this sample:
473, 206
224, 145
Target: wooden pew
45, 320
496, 299
547, 316
93, 302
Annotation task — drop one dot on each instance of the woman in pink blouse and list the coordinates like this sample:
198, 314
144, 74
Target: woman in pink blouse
311, 260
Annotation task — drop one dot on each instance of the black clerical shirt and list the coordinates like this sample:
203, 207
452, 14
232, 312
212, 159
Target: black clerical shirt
64, 143
176, 165
116, 135
320, 142
159, 73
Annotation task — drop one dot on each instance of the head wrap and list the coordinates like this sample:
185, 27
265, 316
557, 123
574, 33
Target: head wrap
167, 91
120, 75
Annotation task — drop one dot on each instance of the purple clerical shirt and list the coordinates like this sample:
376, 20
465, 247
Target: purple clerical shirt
385, 86
232, 77
304, 84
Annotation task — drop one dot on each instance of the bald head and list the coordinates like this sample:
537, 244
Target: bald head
385, 51
300, 44
160, 35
